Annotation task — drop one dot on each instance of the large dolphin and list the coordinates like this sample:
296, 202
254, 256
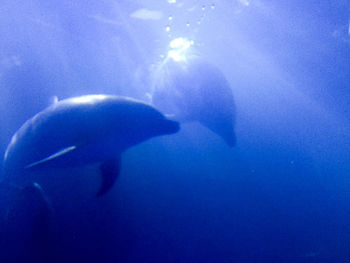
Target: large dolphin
83, 130
194, 90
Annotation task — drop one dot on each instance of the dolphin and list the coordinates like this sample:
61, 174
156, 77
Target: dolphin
28, 230
194, 90
84, 130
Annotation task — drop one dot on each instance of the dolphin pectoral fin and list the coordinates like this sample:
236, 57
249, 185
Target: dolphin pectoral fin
110, 170
52, 157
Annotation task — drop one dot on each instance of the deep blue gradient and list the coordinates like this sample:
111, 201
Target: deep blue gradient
281, 195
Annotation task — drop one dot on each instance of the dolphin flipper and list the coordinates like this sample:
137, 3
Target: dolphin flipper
110, 170
52, 157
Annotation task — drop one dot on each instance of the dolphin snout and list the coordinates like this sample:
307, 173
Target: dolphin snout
171, 126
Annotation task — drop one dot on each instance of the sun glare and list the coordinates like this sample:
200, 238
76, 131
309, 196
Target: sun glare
88, 99
179, 49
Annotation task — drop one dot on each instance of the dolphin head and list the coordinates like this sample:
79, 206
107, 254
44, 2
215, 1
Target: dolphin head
195, 90
167, 126
151, 123
137, 121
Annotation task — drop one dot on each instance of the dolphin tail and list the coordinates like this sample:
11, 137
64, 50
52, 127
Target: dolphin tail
110, 170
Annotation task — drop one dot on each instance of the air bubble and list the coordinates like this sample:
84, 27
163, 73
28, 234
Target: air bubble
203, 7
188, 24
212, 6
170, 18
167, 28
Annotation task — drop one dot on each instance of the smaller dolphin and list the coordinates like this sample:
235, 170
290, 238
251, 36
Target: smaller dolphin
194, 90
28, 235
84, 130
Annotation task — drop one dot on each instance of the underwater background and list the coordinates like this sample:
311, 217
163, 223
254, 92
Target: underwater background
281, 194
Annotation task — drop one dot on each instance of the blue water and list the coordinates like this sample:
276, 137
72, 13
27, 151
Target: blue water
280, 195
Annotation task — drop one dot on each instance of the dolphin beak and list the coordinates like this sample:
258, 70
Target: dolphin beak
171, 126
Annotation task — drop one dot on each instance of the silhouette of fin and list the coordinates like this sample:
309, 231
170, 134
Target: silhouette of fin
52, 157
110, 170
53, 100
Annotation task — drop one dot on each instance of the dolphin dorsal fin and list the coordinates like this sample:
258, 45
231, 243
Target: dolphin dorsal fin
53, 100
52, 157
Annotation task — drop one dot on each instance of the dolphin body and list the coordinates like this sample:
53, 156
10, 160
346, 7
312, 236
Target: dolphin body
83, 130
194, 90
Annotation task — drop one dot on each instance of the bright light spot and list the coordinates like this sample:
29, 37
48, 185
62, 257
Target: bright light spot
170, 18
146, 14
180, 43
179, 48
88, 99
167, 28
172, 1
